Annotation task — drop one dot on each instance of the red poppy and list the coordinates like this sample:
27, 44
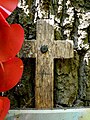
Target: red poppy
10, 73
11, 39
7, 6
4, 107
3, 21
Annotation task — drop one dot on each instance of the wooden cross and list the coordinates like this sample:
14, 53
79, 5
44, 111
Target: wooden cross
45, 49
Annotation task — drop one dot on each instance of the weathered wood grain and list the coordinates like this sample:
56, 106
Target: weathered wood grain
44, 77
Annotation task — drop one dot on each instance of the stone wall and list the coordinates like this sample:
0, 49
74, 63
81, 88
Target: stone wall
72, 22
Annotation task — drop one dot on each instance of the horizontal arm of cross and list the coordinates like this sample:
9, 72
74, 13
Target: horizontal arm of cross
60, 48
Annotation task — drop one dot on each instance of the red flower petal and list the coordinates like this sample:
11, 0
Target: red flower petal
11, 40
4, 107
3, 21
7, 6
10, 73
1, 105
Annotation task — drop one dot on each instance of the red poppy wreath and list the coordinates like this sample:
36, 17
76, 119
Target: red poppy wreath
11, 40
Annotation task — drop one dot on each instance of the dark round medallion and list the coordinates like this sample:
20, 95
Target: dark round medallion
44, 48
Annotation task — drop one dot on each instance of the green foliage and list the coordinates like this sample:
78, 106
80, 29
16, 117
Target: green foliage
66, 80
46, 4
26, 21
83, 4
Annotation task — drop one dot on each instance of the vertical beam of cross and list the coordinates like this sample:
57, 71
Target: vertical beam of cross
44, 65
45, 49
